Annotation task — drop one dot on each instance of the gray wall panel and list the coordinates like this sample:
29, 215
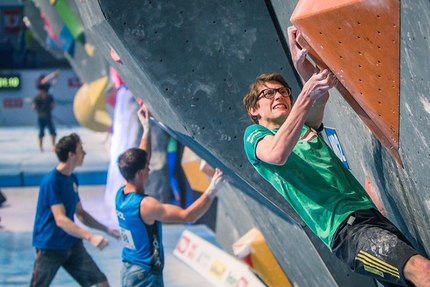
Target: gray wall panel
415, 118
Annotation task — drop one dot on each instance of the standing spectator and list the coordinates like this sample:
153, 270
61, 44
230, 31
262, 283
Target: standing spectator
44, 103
56, 237
158, 185
172, 147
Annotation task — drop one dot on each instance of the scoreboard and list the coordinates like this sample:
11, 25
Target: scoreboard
10, 82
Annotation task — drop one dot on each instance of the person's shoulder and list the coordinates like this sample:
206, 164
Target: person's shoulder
50, 177
133, 195
53, 172
253, 134
147, 197
147, 200
255, 129
147, 203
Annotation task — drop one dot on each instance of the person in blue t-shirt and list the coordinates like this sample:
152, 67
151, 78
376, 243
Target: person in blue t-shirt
140, 216
56, 237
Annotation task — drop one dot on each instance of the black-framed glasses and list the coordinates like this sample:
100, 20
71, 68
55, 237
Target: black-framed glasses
270, 93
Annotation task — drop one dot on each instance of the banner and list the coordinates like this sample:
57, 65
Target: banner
11, 19
70, 20
214, 264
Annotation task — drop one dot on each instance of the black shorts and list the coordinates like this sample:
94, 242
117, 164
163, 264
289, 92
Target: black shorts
371, 245
76, 261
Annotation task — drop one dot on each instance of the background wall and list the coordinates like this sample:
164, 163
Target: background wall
15, 105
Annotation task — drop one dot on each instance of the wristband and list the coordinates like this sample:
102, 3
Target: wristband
211, 192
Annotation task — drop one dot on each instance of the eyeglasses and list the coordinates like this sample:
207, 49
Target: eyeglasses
270, 93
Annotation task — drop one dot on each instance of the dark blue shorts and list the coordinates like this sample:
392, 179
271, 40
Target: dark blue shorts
76, 261
46, 122
371, 245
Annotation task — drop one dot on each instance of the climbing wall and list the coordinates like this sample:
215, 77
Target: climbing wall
192, 62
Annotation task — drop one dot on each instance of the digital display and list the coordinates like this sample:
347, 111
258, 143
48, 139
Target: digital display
10, 82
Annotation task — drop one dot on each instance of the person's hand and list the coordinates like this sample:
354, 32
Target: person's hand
216, 183
143, 113
98, 241
114, 233
298, 54
319, 84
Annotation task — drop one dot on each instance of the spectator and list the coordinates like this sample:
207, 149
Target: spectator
56, 237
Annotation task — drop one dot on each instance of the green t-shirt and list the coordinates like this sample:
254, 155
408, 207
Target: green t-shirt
313, 180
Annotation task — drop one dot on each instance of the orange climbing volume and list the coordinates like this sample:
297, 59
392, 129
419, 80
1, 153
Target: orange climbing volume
359, 42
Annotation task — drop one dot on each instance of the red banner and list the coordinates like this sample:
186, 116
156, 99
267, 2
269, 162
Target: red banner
12, 103
11, 19
74, 82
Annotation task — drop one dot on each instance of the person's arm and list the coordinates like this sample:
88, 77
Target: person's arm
144, 118
277, 148
90, 221
298, 54
53, 103
71, 228
53, 75
306, 69
34, 103
151, 209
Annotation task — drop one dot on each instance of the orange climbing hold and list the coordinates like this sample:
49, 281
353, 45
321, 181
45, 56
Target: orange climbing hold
359, 42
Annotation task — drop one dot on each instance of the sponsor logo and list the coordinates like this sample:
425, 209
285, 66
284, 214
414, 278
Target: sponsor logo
376, 266
217, 269
120, 215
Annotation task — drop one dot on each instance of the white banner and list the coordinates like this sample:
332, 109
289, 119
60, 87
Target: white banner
214, 264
